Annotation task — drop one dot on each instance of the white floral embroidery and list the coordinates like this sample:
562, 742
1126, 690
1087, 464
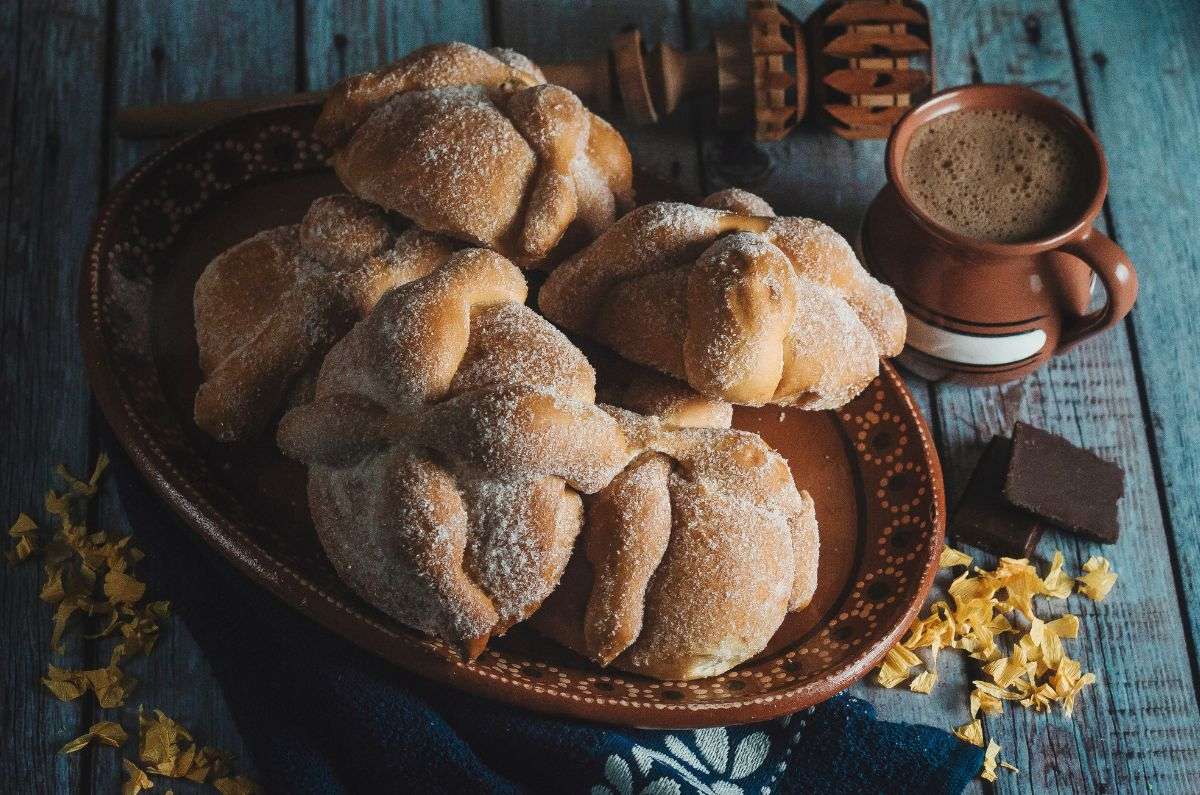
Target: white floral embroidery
706, 768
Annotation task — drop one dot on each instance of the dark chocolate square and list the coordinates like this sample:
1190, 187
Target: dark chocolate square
985, 519
1066, 485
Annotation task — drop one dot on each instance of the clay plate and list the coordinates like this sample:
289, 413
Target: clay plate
871, 467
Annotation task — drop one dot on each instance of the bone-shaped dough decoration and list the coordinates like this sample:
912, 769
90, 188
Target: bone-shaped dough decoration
477, 146
267, 309
742, 305
690, 559
451, 435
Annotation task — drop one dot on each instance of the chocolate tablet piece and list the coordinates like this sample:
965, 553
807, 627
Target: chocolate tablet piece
1066, 485
984, 517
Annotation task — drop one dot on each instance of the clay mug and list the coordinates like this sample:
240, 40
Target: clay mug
983, 312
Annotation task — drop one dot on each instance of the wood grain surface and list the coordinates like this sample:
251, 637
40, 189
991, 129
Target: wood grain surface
1143, 63
1133, 71
52, 57
168, 53
343, 38
1133, 641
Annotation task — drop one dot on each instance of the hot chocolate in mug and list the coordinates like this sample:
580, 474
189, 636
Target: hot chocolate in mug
989, 295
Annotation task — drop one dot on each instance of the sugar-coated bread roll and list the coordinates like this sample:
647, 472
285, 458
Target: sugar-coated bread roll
742, 305
475, 145
267, 309
452, 441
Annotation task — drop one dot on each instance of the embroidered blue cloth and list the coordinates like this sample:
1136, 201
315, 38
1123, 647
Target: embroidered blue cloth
320, 715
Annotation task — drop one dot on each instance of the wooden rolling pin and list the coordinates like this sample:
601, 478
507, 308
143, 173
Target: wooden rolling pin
160, 121
756, 70
644, 86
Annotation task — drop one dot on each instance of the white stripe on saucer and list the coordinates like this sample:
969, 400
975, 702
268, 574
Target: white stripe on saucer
968, 349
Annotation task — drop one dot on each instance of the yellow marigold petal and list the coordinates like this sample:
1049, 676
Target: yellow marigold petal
1098, 578
25, 532
971, 732
1066, 626
924, 682
996, 691
990, 756
953, 557
137, 781
236, 785
106, 732
986, 703
896, 665
1057, 583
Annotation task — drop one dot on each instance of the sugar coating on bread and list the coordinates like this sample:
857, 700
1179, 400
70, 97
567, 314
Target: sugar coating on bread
650, 239
518, 61
517, 431
434, 66
736, 200
741, 296
524, 533
509, 343
475, 145
455, 139
471, 499
692, 556
452, 440
267, 309
694, 597
753, 309
648, 392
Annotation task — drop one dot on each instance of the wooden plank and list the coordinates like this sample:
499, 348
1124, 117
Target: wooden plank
583, 30
1143, 62
51, 57
196, 50
1146, 697
175, 53
175, 678
345, 38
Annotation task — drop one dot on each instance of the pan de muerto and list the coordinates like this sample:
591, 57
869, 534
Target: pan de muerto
741, 304
476, 145
267, 309
690, 559
450, 432
450, 437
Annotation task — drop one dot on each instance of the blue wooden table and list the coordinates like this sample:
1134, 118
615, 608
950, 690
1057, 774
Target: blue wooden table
1132, 69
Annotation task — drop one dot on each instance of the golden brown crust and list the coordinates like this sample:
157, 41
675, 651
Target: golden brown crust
475, 145
647, 392
449, 431
753, 309
654, 338
239, 288
628, 529
740, 303
691, 557
352, 101
421, 154
552, 120
268, 308
450, 438
653, 238
716, 600
736, 200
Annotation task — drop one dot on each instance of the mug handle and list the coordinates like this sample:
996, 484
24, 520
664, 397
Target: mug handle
1110, 262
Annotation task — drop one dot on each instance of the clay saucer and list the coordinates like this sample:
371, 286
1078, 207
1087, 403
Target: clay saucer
871, 467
